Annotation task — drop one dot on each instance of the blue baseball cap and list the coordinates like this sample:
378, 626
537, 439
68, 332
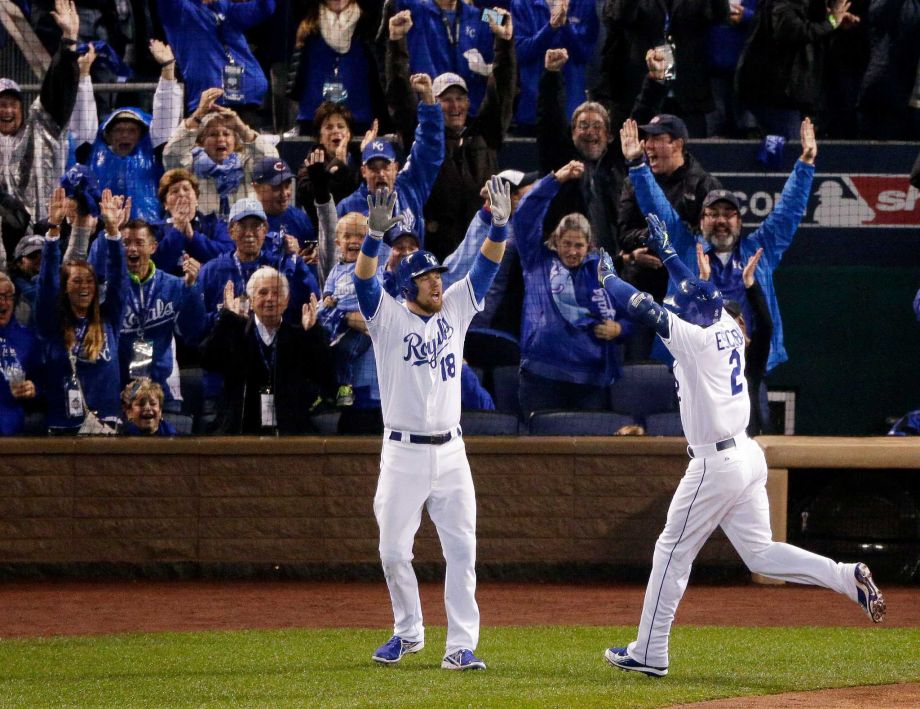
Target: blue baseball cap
272, 171
246, 207
399, 230
378, 148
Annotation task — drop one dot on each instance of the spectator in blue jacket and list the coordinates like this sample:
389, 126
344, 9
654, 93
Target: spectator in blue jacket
19, 363
207, 37
568, 359
80, 334
142, 406
413, 183
450, 36
248, 228
334, 61
186, 234
27, 259
720, 229
156, 305
540, 25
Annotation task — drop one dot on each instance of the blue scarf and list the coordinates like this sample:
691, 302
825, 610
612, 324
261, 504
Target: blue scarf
227, 176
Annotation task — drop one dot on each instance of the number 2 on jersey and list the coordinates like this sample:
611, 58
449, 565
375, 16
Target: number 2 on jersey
448, 367
737, 385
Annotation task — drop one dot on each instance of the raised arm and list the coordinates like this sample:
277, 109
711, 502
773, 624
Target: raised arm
59, 89
490, 255
660, 242
640, 306
380, 207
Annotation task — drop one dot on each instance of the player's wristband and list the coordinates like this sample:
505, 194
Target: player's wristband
371, 245
499, 232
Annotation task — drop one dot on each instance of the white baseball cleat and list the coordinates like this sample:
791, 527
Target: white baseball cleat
867, 594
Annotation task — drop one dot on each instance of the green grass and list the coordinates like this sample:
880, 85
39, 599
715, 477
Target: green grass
528, 667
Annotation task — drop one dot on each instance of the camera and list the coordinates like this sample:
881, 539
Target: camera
491, 15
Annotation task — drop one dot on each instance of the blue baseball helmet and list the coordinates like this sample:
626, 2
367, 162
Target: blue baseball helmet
413, 266
698, 302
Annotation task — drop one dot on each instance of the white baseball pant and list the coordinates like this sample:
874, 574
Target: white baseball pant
437, 477
727, 489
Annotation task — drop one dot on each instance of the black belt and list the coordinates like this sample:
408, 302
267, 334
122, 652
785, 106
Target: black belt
720, 446
436, 439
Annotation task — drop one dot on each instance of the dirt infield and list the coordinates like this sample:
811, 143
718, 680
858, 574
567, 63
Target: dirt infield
81, 608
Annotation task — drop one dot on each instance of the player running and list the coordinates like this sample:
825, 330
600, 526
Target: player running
725, 482
418, 350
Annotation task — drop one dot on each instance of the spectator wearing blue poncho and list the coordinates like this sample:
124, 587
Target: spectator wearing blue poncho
124, 153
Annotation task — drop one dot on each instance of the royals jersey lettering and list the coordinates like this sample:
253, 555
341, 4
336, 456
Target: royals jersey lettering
420, 388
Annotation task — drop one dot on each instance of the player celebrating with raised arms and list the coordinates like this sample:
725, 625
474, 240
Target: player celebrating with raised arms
418, 350
725, 482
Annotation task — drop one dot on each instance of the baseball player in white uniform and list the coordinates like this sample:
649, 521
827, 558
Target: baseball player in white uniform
725, 482
418, 349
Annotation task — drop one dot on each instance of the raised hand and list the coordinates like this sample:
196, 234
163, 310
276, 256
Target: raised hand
658, 237
161, 52
702, 263
499, 200
421, 84
316, 170
190, 268
558, 13
234, 304
57, 209
399, 25
380, 206
371, 135
572, 170
555, 59
308, 313
747, 275
656, 63
809, 144
66, 17
85, 61
633, 148
605, 268
505, 29
112, 210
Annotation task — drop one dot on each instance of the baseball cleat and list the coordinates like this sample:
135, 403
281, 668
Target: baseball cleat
394, 648
462, 660
618, 657
867, 594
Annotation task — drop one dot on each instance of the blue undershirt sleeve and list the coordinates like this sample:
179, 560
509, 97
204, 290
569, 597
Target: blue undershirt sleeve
369, 293
481, 275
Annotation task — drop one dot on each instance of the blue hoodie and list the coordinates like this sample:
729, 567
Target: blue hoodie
551, 346
136, 175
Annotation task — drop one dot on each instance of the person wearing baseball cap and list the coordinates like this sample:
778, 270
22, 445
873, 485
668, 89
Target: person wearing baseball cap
380, 166
248, 229
661, 150
272, 180
32, 146
723, 252
471, 142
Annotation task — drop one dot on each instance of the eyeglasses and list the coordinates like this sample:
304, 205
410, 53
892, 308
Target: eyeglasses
7, 296
590, 125
720, 213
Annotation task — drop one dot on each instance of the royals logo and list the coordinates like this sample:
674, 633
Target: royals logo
420, 351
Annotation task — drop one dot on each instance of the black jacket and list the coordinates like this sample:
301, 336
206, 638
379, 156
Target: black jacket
782, 64
303, 370
555, 148
470, 156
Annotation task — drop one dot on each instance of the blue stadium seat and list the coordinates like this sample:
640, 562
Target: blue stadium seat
505, 384
665, 424
327, 422
577, 423
643, 389
488, 423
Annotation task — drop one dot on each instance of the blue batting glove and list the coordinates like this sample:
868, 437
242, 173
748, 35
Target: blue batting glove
658, 237
605, 267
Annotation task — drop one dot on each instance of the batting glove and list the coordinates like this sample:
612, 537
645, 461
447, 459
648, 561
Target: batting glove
499, 200
380, 206
605, 267
658, 237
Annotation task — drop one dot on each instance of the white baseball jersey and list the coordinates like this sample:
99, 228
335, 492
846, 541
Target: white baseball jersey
420, 388
709, 368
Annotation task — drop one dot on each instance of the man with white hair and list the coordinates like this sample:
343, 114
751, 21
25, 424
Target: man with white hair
273, 371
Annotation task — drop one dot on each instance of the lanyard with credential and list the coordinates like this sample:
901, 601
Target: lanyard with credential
219, 19
453, 33
138, 307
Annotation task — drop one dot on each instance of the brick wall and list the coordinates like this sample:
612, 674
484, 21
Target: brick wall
308, 501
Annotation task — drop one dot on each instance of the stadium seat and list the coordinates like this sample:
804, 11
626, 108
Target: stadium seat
505, 383
664, 424
192, 387
643, 389
485, 347
183, 423
577, 423
327, 422
488, 423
